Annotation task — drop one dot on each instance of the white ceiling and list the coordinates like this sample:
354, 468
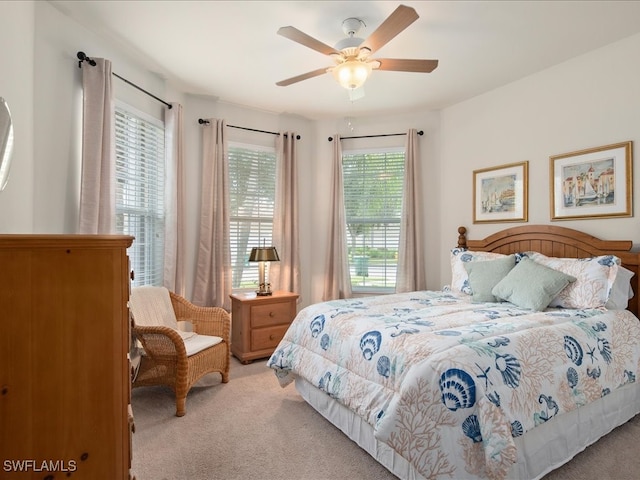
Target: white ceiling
230, 49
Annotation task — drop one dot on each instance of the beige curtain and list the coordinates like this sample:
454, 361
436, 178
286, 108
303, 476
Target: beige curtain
285, 274
411, 271
97, 190
213, 270
337, 282
174, 200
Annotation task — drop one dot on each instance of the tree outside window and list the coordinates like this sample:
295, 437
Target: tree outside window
373, 183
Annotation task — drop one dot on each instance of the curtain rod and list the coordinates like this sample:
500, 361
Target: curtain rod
206, 122
82, 57
420, 132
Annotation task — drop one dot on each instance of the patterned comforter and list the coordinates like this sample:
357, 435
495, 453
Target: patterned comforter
448, 383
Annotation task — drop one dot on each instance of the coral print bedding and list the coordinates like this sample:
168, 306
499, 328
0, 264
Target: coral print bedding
448, 383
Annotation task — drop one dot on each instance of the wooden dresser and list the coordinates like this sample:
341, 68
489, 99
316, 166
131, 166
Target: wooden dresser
64, 366
259, 323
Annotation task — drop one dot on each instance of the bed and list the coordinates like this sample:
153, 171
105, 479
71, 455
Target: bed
526, 358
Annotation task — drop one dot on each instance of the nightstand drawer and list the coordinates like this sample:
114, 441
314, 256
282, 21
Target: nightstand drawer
264, 338
271, 314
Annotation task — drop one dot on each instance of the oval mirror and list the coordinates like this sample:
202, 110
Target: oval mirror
6, 142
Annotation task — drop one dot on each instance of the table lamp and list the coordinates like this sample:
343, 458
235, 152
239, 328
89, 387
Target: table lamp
262, 255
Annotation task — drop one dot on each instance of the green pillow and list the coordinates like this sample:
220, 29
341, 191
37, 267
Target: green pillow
485, 275
531, 285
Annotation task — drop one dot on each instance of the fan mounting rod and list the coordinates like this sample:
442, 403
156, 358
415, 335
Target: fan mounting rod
351, 26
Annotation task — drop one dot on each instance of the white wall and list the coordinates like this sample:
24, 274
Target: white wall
589, 101
58, 106
58, 111
16, 87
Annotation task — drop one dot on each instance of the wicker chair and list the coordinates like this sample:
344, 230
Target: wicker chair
170, 356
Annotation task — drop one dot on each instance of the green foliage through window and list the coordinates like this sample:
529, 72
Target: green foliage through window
373, 183
252, 176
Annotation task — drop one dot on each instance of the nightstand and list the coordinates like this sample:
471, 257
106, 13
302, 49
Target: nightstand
259, 323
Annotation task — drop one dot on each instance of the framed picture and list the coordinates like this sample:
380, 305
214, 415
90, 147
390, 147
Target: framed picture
592, 183
500, 193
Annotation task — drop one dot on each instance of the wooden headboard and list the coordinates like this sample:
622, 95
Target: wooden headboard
555, 241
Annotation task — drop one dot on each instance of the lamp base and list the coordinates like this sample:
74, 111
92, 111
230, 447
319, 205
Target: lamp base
265, 290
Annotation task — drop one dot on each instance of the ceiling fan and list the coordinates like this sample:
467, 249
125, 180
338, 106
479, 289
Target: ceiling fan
351, 55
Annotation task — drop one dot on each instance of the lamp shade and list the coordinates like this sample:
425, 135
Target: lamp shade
264, 254
352, 73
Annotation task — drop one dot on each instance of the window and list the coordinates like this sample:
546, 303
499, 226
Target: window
373, 183
252, 172
140, 191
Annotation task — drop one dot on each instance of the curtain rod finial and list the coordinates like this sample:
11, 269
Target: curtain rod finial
82, 57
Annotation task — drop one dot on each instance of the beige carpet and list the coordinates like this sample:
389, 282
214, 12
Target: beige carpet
250, 428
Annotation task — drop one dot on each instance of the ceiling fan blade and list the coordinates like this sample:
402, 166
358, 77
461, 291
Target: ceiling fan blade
302, 38
395, 23
304, 76
406, 65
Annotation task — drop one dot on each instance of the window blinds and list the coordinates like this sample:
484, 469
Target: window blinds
252, 172
140, 191
373, 183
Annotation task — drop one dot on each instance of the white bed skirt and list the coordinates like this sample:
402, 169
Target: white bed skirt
540, 450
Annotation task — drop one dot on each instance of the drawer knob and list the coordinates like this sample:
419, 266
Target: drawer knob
272, 337
272, 314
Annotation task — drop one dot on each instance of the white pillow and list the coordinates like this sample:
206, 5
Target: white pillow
459, 275
594, 279
621, 292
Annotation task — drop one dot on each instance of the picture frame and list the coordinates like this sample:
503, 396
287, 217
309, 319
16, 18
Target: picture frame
592, 183
500, 194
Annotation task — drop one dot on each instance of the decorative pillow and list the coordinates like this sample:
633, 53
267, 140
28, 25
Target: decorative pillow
621, 292
531, 285
594, 279
485, 274
459, 276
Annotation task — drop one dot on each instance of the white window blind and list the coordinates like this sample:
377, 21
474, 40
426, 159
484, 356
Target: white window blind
252, 171
140, 191
373, 183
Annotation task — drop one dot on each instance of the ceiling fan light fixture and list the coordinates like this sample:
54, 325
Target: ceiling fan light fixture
353, 64
352, 74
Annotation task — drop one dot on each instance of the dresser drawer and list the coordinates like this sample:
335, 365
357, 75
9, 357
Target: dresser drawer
271, 314
267, 338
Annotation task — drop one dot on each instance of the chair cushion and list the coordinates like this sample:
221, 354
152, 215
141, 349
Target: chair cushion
196, 343
151, 306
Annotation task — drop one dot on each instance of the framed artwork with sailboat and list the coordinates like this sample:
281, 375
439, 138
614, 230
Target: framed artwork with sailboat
500, 194
592, 183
